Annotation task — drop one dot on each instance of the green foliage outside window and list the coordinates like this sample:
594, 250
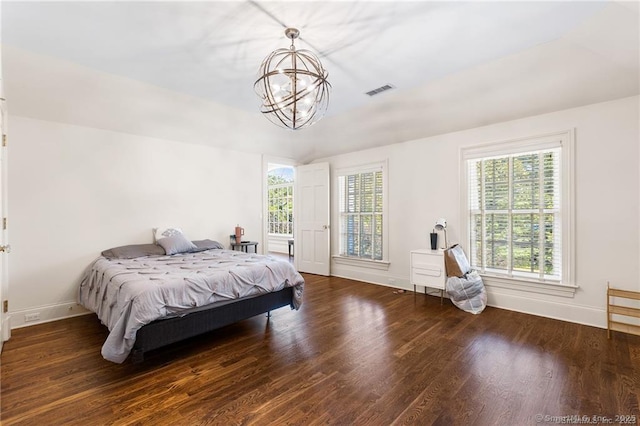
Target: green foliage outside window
515, 213
280, 203
361, 214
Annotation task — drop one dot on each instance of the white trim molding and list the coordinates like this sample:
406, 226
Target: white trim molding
500, 297
566, 286
579, 314
374, 166
46, 313
529, 286
365, 263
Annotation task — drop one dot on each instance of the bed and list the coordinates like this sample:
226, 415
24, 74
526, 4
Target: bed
148, 298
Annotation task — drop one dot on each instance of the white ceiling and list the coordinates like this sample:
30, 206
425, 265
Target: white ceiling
436, 54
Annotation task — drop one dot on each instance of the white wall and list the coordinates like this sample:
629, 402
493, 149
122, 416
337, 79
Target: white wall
75, 191
46, 88
424, 185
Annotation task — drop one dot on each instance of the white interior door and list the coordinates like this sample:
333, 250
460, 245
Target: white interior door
312, 219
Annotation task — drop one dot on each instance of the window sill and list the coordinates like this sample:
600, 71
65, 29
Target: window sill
529, 286
364, 263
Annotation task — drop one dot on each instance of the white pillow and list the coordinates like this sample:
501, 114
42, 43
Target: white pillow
164, 232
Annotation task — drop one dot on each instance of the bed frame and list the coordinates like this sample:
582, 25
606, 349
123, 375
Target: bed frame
166, 331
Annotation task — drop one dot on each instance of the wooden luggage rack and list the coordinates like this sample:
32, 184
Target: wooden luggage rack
620, 310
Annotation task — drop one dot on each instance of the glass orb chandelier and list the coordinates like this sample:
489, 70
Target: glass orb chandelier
292, 86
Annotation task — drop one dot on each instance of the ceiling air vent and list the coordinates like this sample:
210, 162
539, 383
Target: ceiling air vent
380, 90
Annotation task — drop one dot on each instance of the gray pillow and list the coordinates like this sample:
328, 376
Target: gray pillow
203, 245
133, 251
176, 243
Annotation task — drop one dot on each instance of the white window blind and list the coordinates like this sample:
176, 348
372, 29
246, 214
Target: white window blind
518, 200
360, 207
515, 214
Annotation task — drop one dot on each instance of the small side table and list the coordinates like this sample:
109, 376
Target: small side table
290, 243
244, 246
427, 270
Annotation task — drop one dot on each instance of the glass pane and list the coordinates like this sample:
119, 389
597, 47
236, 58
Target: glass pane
367, 192
551, 170
549, 268
366, 234
475, 189
351, 189
525, 228
475, 256
526, 257
552, 254
497, 255
496, 227
378, 193
355, 194
525, 234
343, 235
353, 235
377, 238
496, 184
526, 184
378, 203
525, 195
548, 229
525, 167
496, 244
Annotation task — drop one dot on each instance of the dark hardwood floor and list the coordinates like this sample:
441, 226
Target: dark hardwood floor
354, 354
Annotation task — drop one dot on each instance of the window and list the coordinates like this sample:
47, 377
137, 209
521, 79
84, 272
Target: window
519, 210
361, 212
280, 199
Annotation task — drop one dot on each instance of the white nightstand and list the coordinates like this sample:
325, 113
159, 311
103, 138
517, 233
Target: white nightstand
427, 270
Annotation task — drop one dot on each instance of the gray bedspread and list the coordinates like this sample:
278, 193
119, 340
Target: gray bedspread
129, 293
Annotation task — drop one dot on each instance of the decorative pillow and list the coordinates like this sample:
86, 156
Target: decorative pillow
165, 232
133, 251
176, 243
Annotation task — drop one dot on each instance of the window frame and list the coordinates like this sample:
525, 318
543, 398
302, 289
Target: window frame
565, 140
291, 188
354, 260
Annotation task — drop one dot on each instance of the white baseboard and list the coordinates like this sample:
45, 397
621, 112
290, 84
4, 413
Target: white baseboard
585, 315
342, 271
46, 313
570, 312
